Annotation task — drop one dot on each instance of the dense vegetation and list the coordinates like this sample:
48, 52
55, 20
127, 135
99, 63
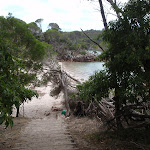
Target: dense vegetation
20, 57
23, 47
66, 42
127, 71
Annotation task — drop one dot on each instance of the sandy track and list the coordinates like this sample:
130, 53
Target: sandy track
46, 129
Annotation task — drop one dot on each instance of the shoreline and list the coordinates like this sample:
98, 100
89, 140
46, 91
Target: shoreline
79, 58
70, 60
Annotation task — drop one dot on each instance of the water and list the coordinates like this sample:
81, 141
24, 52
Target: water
95, 52
82, 70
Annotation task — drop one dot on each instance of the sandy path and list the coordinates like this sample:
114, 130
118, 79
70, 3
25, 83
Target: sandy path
47, 129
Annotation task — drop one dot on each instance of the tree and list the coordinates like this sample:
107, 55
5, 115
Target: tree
36, 31
52, 36
115, 7
54, 26
20, 52
39, 23
12, 84
126, 60
16, 33
56, 39
75, 36
117, 10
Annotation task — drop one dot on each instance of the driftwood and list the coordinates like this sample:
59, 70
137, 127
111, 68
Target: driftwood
64, 88
132, 115
106, 113
62, 83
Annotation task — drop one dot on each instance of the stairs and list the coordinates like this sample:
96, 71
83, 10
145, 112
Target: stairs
49, 133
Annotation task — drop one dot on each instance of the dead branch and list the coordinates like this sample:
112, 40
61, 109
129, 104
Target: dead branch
71, 77
108, 103
115, 7
92, 40
64, 87
56, 91
91, 110
129, 113
105, 111
72, 86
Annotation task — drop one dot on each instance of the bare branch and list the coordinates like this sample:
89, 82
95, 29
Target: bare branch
115, 7
93, 41
72, 77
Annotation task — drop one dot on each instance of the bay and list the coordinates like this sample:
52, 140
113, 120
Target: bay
82, 70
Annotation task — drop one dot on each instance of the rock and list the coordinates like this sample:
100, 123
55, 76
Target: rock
79, 58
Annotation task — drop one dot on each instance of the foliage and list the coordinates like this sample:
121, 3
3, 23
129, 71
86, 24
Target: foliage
77, 37
83, 52
74, 46
36, 31
63, 42
52, 36
19, 52
16, 34
96, 87
129, 51
54, 26
39, 23
127, 59
12, 84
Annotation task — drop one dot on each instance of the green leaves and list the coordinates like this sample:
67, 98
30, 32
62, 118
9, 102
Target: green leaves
12, 86
16, 34
17, 46
96, 87
128, 52
127, 58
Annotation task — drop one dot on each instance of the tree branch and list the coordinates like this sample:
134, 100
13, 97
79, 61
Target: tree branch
92, 40
71, 77
115, 7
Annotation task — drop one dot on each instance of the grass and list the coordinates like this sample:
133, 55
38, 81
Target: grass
127, 139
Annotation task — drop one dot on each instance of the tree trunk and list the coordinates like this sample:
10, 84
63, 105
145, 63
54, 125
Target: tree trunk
103, 14
64, 86
17, 113
117, 110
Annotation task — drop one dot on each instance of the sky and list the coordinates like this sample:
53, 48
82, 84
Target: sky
70, 15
